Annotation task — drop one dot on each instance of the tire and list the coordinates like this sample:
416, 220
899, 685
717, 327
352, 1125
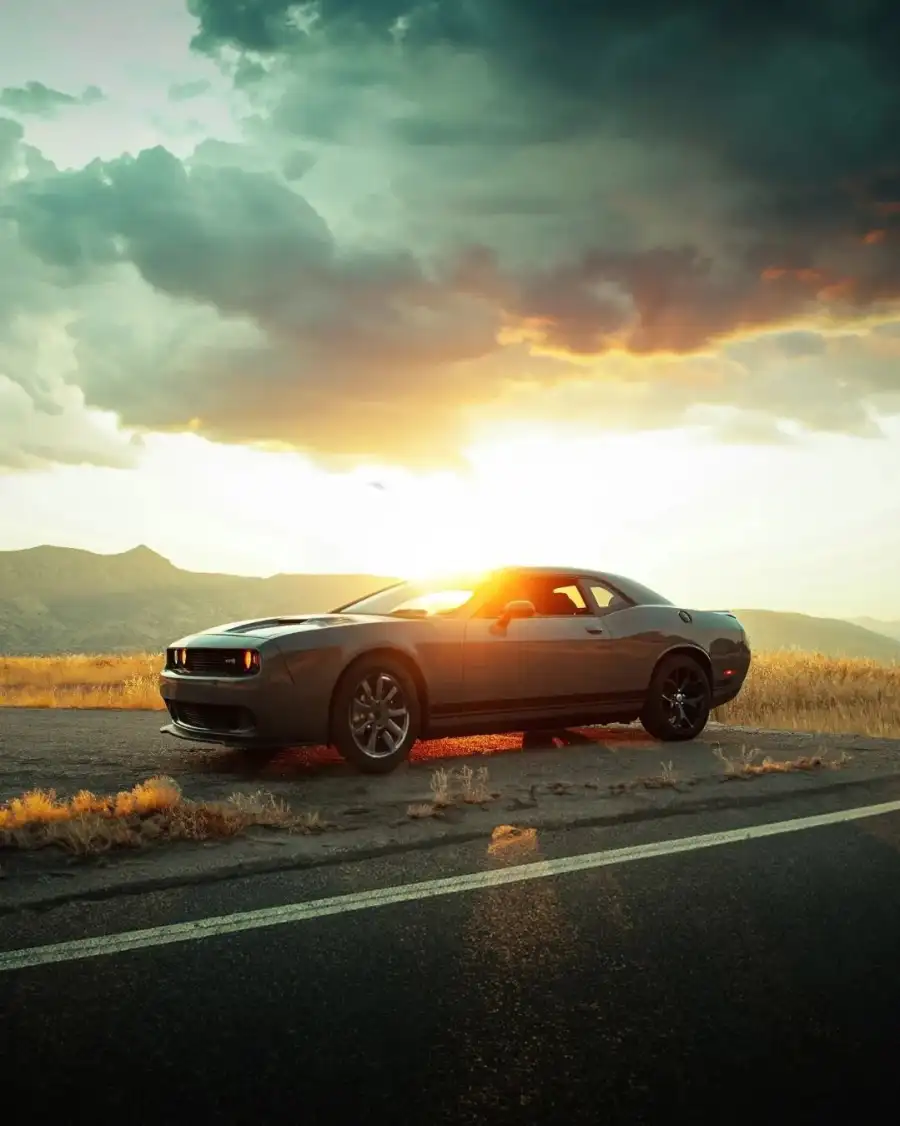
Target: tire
663, 716
379, 746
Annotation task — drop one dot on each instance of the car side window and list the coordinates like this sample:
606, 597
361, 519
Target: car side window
550, 597
608, 601
573, 594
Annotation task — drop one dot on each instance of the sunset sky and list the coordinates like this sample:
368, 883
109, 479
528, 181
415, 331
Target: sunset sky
394, 286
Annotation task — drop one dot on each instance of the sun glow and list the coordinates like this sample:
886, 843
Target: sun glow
535, 495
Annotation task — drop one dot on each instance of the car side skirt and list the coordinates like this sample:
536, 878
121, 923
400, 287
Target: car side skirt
492, 717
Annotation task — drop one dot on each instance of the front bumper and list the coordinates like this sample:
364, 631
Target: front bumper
197, 735
267, 709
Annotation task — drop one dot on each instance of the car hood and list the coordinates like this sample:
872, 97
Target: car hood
284, 624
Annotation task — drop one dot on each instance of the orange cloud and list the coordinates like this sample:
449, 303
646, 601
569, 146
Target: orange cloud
805, 275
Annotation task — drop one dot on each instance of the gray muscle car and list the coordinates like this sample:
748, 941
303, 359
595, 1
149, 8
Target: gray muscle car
520, 649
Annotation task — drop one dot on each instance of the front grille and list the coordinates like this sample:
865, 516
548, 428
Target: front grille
212, 717
210, 662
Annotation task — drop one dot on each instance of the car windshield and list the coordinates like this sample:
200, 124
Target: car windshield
418, 599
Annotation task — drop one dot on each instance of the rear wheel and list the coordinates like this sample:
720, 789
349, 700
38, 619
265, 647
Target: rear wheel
376, 715
678, 701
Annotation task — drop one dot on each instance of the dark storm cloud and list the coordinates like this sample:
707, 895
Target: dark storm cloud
42, 101
235, 239
512, 189
792, 108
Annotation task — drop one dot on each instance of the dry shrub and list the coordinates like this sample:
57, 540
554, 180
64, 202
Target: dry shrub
747, 766
153, 810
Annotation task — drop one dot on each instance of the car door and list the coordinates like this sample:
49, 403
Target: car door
566, 657
492, 658
634, 649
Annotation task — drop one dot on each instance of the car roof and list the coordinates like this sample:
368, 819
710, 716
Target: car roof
588, 571
569, 570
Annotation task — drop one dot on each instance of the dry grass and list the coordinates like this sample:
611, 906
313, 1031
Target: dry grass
82, 681
749, 765
808, 692
154, 810
462, 786
787, 691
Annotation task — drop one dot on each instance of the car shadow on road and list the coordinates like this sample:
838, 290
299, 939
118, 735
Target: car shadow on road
309, 762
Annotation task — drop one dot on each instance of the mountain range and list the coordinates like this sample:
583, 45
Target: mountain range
65, 600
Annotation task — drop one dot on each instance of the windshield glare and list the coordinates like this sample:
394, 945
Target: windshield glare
425, 599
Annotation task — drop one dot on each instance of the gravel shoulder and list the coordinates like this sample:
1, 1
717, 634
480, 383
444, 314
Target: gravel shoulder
592, 776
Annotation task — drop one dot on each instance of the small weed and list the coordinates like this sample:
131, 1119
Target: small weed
440, 788
462, 786
472, 787
420, 811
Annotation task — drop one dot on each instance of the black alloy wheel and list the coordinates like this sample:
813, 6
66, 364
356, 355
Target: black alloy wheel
679, 700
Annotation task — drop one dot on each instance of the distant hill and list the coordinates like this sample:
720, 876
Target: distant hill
889, 629
770, 629
63, 600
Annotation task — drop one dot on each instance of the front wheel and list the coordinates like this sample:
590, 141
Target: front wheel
376, 715
678, 701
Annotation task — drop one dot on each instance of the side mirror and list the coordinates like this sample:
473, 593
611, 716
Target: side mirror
517, 609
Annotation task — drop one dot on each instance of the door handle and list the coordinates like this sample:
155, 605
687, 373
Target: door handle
593, 629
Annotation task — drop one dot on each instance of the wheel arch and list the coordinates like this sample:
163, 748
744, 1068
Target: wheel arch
699, 655
402, 657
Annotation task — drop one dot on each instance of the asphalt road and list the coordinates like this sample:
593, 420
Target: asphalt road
106, 749
714, 984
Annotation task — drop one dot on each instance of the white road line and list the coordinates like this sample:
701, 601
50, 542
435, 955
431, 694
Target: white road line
428, 889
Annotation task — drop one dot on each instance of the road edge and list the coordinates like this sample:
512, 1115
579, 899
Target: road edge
454, 835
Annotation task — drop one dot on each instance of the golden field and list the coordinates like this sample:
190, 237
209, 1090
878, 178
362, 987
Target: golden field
785, 690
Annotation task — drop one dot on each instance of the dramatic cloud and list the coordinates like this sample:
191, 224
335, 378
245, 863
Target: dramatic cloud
715, 171
637, 215
40, 100
186, 91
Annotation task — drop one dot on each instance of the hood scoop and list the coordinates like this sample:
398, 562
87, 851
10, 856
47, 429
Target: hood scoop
286, 622
265, 623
